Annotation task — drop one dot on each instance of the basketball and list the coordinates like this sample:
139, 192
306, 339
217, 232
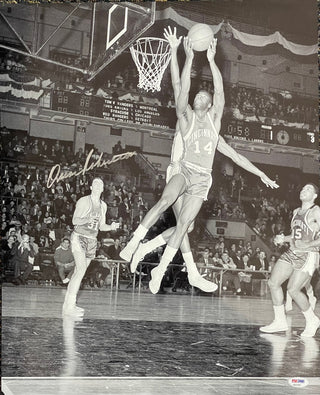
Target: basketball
201, 36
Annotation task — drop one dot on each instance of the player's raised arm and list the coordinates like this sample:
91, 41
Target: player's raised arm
182, 108
174, 43
216, 110
243, 162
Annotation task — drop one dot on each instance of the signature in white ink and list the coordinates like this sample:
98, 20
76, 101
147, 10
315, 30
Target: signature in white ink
56, 175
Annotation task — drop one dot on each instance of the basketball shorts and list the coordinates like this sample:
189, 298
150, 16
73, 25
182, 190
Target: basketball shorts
300, 260
83, 244
198, 179
172, 170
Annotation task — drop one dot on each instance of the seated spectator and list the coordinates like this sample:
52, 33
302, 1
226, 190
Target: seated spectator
113, 250
181, 280
259, 262
272, 261
229, 276
64, 261
98, 271
22, 260
6, 252
140, 202
206, 260
138, 219
124, 209
245, 277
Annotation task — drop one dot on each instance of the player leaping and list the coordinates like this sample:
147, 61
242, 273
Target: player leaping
172, 194
200, 130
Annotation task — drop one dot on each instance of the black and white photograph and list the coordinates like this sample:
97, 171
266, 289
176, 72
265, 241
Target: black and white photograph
160, 197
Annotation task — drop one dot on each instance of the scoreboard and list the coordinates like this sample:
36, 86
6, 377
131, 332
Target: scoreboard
135, 113
270, 134
114, 110
139, 113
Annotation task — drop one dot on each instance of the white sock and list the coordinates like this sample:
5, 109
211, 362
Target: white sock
70, 300
309, 314
167, 257
138, 235
288, 298
140, 232
153, 244
310, 292
279, 313
191, 266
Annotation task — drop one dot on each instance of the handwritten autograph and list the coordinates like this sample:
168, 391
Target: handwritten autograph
55, 174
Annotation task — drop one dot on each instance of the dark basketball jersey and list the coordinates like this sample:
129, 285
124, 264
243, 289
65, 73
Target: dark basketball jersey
301, 229
200, 142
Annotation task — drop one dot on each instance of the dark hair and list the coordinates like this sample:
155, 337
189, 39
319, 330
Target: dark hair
207, 93
315, 187
66, 238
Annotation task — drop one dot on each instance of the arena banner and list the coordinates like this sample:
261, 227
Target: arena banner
245, 38
276, 37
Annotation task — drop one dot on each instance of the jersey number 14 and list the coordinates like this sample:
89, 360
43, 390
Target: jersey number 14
207, 148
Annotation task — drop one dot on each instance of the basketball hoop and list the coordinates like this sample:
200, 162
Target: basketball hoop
151, 56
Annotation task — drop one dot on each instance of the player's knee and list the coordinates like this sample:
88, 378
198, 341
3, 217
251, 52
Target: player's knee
273, 284
293, 291
183, 224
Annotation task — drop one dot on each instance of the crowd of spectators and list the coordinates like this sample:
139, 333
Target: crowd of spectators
243, 102
238, 255
252, 104
44, 215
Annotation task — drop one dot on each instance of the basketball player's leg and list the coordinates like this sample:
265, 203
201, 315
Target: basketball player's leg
82, 261
310, 294
190, 208
309, 289
194, 277
69, 306
296, 282
145, 248
281, 271
171, 192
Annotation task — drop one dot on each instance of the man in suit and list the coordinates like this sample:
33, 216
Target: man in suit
206, 260
124, 209
260, 263
22, 259
138, 219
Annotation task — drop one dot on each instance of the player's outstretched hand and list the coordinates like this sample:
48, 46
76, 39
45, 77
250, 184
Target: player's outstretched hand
268, 182
278, 239
211, 52
115, 225
187, 44
174, 41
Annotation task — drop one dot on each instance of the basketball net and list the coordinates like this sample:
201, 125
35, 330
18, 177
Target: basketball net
151, 56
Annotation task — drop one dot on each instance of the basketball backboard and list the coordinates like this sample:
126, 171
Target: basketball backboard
85, 37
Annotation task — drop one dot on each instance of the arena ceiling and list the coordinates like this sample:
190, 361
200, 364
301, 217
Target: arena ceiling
295, 19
